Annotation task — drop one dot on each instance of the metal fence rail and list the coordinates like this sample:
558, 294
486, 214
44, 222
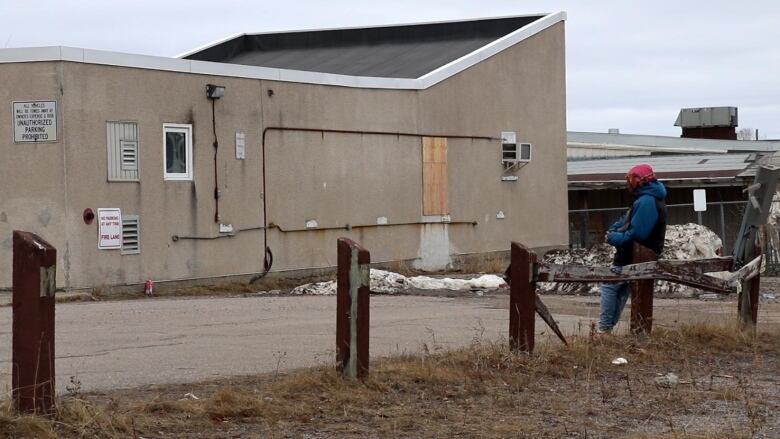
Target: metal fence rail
588, 226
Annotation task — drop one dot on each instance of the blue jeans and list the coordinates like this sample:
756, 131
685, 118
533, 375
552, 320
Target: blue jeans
613, 299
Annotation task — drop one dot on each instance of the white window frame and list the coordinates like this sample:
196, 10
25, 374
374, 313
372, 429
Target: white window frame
177, 128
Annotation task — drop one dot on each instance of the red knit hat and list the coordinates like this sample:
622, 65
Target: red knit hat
639, 175
643, 172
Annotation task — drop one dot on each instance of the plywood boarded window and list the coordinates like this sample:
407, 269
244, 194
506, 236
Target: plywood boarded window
435, 176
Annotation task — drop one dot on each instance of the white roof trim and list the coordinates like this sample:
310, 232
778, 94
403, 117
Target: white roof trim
212, 44
491, 49
101, 57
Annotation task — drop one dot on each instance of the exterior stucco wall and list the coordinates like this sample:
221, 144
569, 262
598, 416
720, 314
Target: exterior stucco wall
165, 208
521, 89
333, 178
32, 182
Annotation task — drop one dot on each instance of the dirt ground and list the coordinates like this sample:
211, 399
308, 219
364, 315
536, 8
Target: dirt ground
727, 386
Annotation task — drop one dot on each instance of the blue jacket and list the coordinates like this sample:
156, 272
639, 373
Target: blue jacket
642, 216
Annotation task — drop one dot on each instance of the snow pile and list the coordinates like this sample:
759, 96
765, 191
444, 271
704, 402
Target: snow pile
690, 241
682, 241
315, 289
387, 282
484, 282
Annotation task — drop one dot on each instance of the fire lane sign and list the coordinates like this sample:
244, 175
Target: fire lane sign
109, 229
35, 121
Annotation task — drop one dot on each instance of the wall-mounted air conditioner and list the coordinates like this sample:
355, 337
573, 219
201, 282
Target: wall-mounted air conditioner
513, 153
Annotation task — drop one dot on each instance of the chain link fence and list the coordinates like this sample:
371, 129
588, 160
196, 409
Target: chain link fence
588, 226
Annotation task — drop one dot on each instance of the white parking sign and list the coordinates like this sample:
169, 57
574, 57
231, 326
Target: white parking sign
35, 121
109, 229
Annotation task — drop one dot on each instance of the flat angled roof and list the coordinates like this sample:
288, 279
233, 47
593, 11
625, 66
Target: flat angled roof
398, 51
100, 57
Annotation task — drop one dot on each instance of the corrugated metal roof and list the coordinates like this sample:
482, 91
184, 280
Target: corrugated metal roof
402, 51
705, 168
666, 163
603, 139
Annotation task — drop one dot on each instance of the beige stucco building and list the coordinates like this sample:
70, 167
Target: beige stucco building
411, 165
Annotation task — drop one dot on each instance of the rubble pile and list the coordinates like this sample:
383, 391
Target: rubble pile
682, 241
387, 282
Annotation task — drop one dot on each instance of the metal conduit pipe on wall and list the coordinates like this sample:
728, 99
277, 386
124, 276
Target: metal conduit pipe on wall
268, 260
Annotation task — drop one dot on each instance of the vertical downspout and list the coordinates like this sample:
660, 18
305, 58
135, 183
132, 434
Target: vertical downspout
268, 256
216, 174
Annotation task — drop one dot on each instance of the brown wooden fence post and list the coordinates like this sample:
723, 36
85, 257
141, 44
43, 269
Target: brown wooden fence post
522, 299
642, 294
747, 302
352, 309
34, 277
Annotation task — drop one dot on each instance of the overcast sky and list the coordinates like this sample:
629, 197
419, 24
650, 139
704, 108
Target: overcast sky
630, 65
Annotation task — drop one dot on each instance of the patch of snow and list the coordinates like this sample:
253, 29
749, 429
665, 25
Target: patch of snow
315, 289
387, 282
487, 281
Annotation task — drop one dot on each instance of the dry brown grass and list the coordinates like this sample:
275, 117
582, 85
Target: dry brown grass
485, 390
495, 264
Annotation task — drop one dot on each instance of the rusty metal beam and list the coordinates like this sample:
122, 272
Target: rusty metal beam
683, 272
34, 282
709, 265
352, 309
541, 309
545, 314
748, 271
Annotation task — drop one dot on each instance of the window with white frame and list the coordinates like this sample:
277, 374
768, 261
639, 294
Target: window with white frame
177, 151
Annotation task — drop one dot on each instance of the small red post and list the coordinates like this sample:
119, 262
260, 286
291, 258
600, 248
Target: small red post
522, 299
34, 277
642, 294
352, 309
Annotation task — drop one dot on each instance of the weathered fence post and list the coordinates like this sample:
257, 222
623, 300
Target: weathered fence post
352, 309
522, 299
34, 276
747, 302
642, 294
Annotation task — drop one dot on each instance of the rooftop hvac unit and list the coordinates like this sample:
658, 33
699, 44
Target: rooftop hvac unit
707, 117
513, 153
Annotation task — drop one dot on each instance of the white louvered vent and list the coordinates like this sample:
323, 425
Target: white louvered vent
129, 151
131, 235
122, 150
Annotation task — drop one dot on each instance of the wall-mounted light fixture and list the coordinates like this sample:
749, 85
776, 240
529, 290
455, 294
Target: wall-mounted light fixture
215, 91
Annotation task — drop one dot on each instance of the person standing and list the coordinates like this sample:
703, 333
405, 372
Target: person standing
644, 223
